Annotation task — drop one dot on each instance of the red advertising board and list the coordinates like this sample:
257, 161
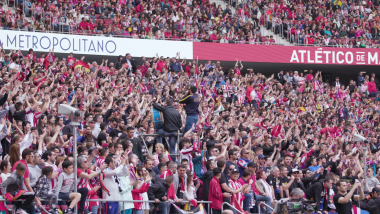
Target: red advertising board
285, 54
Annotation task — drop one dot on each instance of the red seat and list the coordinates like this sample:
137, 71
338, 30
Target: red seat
63, 207
107, 21
46, 207
262, 20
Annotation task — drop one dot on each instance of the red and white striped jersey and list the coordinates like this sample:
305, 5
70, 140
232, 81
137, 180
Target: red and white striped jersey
99, 161
240, 98
235, 185
55, 169
226, 87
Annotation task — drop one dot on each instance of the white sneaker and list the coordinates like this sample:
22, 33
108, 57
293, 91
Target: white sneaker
21, 211
12, 210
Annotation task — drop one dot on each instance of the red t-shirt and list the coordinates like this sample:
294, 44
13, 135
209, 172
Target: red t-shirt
91, 26
160, 65
27, 169
83, 25
71, 60
36, 83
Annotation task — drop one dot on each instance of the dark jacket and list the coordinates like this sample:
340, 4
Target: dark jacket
307, 182
315, 193
172, 118
360, 80
118, 63
295, 184
206, 183
132, 61
377, 83
371, 205
137, 148
158, 190
192, 104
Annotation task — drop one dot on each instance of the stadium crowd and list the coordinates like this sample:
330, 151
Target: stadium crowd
246, 137
332, 23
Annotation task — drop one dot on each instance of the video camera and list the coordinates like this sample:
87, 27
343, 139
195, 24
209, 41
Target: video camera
295, 206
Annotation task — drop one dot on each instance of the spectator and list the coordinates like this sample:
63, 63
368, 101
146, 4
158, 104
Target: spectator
110, 185
43, 189
315, 191
158, 192
192, 105
65, 186
172, 123
343, 200
13, 189
215, 194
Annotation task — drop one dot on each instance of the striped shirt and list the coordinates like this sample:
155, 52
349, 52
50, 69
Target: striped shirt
226, 87
235, 185
55, 169
99, 161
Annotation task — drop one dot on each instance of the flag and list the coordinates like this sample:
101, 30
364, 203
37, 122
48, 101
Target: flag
197, 210
80, 64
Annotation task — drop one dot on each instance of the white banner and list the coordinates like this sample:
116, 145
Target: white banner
93, 45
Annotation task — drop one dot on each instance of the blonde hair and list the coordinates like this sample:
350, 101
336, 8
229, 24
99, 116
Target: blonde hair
161, 146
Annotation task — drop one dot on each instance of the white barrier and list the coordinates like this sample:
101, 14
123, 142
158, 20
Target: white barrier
94, 45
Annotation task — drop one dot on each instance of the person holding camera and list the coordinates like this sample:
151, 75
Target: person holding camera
371, 201
343, 200
285, 205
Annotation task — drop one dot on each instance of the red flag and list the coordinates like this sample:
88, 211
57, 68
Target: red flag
80, 64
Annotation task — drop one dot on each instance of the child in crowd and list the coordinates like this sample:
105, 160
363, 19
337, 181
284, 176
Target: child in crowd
13, 188
187, 150
65, 187
138, 188
43, 189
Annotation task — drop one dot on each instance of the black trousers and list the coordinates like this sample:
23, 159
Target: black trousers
214, 211
83, 192
24, 204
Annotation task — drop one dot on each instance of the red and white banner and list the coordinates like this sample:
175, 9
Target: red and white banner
112, 46
285, 54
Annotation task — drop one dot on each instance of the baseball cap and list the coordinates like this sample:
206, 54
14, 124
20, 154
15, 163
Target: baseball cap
234, 171
295, 171
245, 137
262, 157
251, 164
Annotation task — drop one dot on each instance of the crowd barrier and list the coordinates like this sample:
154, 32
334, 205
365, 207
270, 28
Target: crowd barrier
125, 201
359, 211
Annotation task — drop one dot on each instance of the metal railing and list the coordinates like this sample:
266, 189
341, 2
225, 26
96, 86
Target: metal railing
126, 201
267, 206
225, 203
178, 134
